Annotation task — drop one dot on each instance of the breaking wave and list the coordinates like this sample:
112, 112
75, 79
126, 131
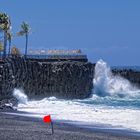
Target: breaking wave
106, 84
20, 96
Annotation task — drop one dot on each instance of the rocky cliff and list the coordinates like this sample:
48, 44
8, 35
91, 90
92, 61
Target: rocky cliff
66, 79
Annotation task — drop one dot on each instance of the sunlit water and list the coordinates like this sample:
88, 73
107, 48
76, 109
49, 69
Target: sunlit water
115, 102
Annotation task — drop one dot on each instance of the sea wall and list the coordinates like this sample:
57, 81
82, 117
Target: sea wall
60, 79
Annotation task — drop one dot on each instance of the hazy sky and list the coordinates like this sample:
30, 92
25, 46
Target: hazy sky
107, 29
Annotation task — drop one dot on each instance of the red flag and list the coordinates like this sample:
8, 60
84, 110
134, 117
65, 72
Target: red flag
47, 119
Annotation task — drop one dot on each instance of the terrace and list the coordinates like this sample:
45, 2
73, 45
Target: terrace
52, 55
57, 55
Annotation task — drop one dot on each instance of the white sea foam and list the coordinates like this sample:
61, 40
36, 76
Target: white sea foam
20, 95
87, 113
76, 111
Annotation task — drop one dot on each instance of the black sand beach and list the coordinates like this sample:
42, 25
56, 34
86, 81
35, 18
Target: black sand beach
14, 127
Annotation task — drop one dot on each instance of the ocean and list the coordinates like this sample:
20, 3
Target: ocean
134, 68
114, 103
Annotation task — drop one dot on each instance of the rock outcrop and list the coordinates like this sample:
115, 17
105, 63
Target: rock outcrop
132, 75
66, 79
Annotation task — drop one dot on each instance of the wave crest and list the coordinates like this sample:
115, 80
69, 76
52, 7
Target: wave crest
106, 84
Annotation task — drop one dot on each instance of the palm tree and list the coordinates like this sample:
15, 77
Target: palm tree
1, 48
25, 30
9, 38
5, 25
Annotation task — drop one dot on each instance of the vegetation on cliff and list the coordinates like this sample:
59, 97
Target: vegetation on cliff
5, 28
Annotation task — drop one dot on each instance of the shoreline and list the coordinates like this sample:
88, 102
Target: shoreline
18, 125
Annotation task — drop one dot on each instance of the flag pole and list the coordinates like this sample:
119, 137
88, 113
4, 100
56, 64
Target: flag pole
47, 119
52, 127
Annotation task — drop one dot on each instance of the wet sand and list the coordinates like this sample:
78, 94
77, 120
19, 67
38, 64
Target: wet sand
14, 127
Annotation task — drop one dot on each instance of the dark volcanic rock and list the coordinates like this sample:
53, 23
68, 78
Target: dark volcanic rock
66, 79
7, 104
129, 74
